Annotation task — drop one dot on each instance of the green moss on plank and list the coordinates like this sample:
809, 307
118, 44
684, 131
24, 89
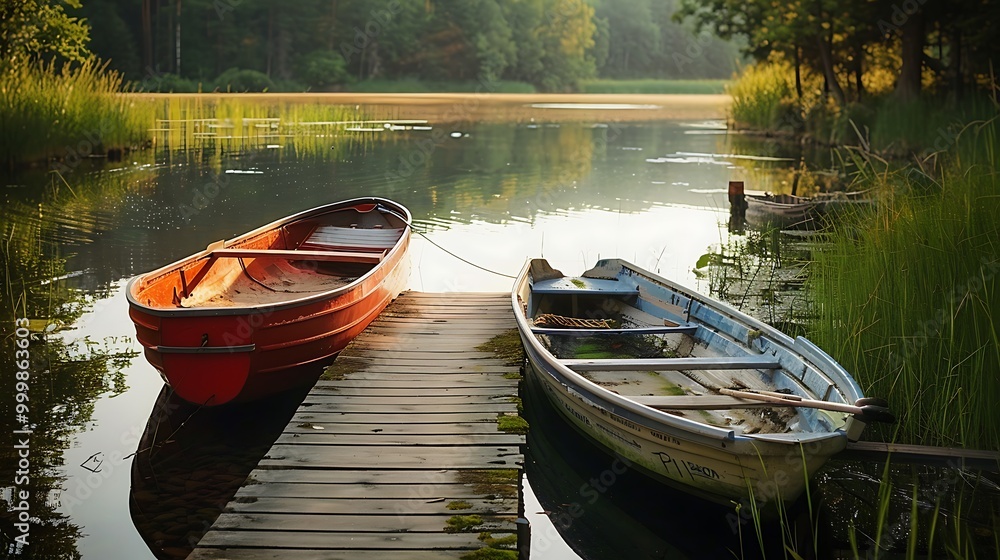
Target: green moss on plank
336, 371
499, 483
517, 401
505, 346
512, 375
578, 283
501, 548
493, 542
459, 504
462, 523
490, 554
512, 424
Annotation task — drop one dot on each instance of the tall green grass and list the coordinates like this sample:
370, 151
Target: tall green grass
218, 124
908, 296
764, 98
67, 112
654, 86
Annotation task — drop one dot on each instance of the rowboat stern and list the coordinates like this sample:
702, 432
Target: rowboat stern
202, 370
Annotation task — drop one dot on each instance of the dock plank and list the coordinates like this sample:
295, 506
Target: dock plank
225, 553
401, 440
378, 454
354, 523
396, 457
419, 505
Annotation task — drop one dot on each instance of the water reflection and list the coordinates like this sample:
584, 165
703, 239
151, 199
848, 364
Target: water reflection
191, 461
606, 510
60, 375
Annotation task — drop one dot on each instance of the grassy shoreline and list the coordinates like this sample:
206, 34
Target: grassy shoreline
71, 113
908, 296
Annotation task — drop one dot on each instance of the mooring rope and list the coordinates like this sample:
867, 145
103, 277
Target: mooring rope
431, 241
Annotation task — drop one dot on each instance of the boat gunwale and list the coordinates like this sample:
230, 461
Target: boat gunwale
661, 421
387, 260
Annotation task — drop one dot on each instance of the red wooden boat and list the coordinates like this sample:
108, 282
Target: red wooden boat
234, 322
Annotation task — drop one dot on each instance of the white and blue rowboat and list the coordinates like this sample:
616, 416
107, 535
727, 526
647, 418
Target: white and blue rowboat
688, 389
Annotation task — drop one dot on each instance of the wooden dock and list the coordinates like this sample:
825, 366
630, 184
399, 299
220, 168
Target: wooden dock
397, 451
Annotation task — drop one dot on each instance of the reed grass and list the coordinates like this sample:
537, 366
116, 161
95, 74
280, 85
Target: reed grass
218, 124
907, 296
764, 98
68, 112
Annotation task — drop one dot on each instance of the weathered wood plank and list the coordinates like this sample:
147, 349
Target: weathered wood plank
409, 428
404, 373
418, 506
402, 389
390, 346
234, 553
419, 477
408, 409
307, 415
359, 491
392, 352
396, 401
396, 457
322, 437
428, 380
408, 360
342, 541
354, 523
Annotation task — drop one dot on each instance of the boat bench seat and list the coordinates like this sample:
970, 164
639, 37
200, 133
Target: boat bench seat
352, 239
684, 329
673, 364
699, 402
584, 286
335, 256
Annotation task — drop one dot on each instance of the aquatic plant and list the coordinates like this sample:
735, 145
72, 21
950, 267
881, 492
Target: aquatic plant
907, 297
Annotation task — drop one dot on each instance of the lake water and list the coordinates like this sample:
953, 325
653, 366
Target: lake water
654, 193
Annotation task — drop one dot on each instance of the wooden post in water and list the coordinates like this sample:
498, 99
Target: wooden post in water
737, 207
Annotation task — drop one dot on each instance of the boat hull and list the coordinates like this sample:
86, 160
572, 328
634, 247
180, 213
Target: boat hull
214, 356
711, 461
724, 474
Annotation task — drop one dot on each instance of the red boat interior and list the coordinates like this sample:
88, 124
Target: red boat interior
295, 260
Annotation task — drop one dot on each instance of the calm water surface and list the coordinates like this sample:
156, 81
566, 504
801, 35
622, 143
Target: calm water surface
653, 193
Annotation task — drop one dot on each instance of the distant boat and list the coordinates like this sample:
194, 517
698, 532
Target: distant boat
785, 211
690, 391
229, 323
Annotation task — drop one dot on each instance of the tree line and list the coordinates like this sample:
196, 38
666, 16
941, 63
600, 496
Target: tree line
921, 44
323, 44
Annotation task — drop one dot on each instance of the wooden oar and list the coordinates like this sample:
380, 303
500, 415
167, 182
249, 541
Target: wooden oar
870, 413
